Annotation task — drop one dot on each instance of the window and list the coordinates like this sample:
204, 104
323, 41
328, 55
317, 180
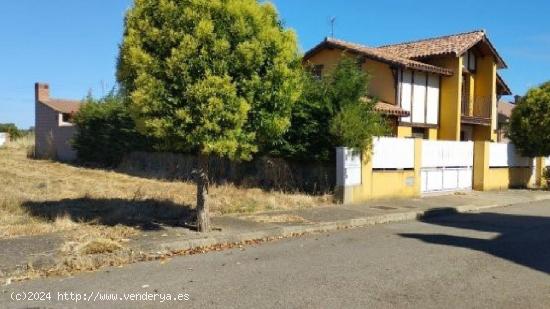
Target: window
419, 133
317, 70
469, 61
419, 94
65, 119
472, 62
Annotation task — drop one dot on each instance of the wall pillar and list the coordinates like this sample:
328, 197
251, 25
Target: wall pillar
366, 176
481, 165
450, 101
539, 170
351, 173
471, 94
418, 165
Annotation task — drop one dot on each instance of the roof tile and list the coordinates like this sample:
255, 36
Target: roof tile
383, 56
451, 44
390, 109
63, 106
455, 44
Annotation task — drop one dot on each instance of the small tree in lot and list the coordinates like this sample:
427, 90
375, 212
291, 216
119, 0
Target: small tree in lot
356, 122
210, 77
334, 110
530, 123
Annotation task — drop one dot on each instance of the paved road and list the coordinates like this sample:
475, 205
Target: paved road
496, 259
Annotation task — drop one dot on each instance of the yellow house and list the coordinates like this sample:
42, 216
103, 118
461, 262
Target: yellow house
442, 88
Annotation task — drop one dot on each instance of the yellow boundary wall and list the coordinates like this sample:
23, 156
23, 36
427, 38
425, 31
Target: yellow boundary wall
384, 184
488, 178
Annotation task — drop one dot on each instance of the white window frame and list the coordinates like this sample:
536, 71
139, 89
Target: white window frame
416, 87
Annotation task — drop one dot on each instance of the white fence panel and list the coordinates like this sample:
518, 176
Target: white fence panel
446, 166
432, 180
505, 155
447, 154
3, 138
393, 153
446, 179
465, 178
450, 179
547, 161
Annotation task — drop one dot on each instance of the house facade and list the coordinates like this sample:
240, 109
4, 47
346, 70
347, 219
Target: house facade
53, 127
440, 96
443, 88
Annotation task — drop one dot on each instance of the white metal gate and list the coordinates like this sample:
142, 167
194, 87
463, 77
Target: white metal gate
447, 166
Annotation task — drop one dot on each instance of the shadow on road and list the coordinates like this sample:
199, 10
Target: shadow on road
143, 214
524, 240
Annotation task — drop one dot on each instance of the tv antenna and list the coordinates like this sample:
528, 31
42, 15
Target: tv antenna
332, 22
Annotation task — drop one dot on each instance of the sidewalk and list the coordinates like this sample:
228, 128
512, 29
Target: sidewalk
40, 251
245, 227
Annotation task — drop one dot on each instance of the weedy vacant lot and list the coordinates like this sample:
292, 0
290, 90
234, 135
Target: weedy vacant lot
97, 210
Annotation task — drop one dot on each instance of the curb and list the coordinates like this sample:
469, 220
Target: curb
289, 231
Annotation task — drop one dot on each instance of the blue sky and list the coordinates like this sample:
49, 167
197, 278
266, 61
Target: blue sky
72, 44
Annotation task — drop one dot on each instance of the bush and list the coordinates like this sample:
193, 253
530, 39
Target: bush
106, 131
308, 138
530, 123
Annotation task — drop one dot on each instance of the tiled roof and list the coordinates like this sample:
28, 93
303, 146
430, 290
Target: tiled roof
505, 110
502, 87
455, 44
450, 44
63, 106
390, 109
379, 55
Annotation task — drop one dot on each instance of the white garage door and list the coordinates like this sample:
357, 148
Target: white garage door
446, 166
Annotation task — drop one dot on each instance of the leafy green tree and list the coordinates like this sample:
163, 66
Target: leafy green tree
11, 129
530, 123
333, 111
308, 138
212, 77
106, 131
355, 125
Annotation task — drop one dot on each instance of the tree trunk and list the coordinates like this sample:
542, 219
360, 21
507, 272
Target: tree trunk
201, 178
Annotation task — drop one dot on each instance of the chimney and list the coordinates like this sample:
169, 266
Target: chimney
41, 92
517, 98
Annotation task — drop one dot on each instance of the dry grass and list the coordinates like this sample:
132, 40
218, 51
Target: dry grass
23, 142
98, 210
38, 196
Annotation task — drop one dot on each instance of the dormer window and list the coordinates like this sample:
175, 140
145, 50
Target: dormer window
469, 61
